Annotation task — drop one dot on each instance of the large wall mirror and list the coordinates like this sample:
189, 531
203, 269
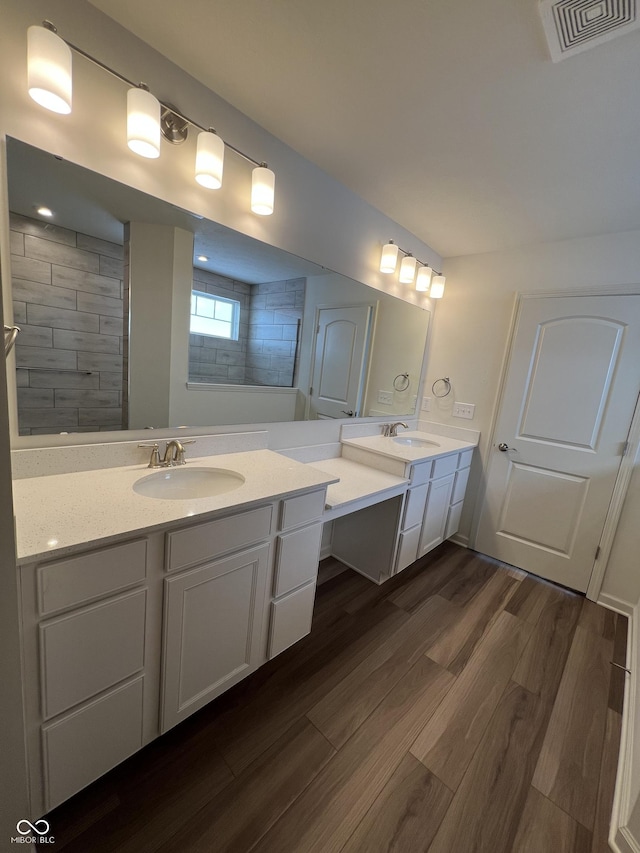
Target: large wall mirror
135, 313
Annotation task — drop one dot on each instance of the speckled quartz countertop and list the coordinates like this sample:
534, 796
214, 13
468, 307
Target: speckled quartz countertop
384, 446
356, 481
62, 513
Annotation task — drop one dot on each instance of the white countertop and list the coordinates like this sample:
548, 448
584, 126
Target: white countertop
385, 446
61, 513
356, 481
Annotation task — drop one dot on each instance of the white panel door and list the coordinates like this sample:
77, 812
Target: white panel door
341, 355
570, 392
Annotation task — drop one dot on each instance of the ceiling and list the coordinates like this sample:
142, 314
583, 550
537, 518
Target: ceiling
446, 115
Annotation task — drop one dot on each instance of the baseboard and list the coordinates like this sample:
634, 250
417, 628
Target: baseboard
325, 552
620, 838
457, 539
614, 603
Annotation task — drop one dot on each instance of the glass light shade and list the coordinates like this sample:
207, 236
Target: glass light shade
209, 160
49, 70
423, 279
437, 287
389, 258
262, 190
143, 123
407, 269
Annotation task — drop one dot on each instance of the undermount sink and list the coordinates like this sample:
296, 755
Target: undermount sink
175, 484
407, 441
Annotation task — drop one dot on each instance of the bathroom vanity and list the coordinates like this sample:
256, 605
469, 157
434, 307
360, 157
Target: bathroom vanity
138, 610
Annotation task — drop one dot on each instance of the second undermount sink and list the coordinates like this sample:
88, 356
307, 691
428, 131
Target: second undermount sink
174, 484
408, 441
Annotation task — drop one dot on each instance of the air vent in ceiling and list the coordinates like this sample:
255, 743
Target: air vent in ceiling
576, 25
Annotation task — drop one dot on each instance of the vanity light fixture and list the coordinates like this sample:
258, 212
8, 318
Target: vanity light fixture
203, 258
50, 84
407, 269
425, 280
44, 211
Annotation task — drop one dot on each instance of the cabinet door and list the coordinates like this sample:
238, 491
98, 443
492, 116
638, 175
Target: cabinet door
213, 633
435, 514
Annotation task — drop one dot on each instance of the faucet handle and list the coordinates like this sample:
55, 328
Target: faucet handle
386, 429
179, 457
154, 462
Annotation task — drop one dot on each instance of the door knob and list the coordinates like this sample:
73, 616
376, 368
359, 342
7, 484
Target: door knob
503, 447
348, 413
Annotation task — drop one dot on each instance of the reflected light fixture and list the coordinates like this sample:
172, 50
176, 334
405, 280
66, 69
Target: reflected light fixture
49, 69
49, 59
423, 279
44, 211
209, 159
262, 190
203, 258
143, 122
437, 287
389, 259
407, 269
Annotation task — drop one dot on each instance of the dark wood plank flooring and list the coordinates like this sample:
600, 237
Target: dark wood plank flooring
462, 706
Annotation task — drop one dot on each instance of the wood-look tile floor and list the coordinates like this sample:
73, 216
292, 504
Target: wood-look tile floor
462, 706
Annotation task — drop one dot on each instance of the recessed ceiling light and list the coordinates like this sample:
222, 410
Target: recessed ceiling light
203, 258
44, 211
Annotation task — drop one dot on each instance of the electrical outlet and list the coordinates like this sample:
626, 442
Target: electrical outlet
463, 410
426, 404
385, 397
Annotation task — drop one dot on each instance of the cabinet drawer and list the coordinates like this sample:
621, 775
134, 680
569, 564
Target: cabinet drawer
297, 558
291, 618
465, 458
203, 542
414, 506
421, 473
87, 651
453, 519
77, 580
86, 744
445, 465
408, 548
301, 509
462, 478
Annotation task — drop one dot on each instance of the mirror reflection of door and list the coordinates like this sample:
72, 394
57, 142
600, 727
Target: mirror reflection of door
343, 338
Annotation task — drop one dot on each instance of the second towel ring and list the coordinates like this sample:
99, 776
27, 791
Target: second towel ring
401, 382
446, 384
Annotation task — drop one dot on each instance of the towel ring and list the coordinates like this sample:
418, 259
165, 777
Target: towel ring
447, 387
401, 382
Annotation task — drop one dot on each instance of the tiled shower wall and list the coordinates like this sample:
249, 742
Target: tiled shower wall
276, 313
67, 298
214, 359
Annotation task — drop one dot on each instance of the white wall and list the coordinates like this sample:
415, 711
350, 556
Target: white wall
470, 338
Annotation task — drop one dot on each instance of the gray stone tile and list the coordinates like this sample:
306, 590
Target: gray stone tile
196, 340
258, 360
210, 371
62, 318
17, 243
99, 361
85, 341
111, 267
57, 419
60, 379
94, 304
19, 312
110, 381
287, 315
44, 357
31, 269
89, 282
281, 364
262, 377
56, 253
71, 431
38, 228
258, 301
101, 247
85, 399
35, 398
279, 348
285, 378
282, 300
22, 378
100, 417
297, 284
261, 317
236, 374
271, 287
260, 332
211, 278
111, 326
43, 294
36, 336
230, 358
289, 333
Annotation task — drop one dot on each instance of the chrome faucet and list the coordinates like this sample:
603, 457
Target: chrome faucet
393, 428
173, 453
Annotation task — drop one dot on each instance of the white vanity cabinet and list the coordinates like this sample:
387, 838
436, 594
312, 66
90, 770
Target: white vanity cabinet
88, 646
